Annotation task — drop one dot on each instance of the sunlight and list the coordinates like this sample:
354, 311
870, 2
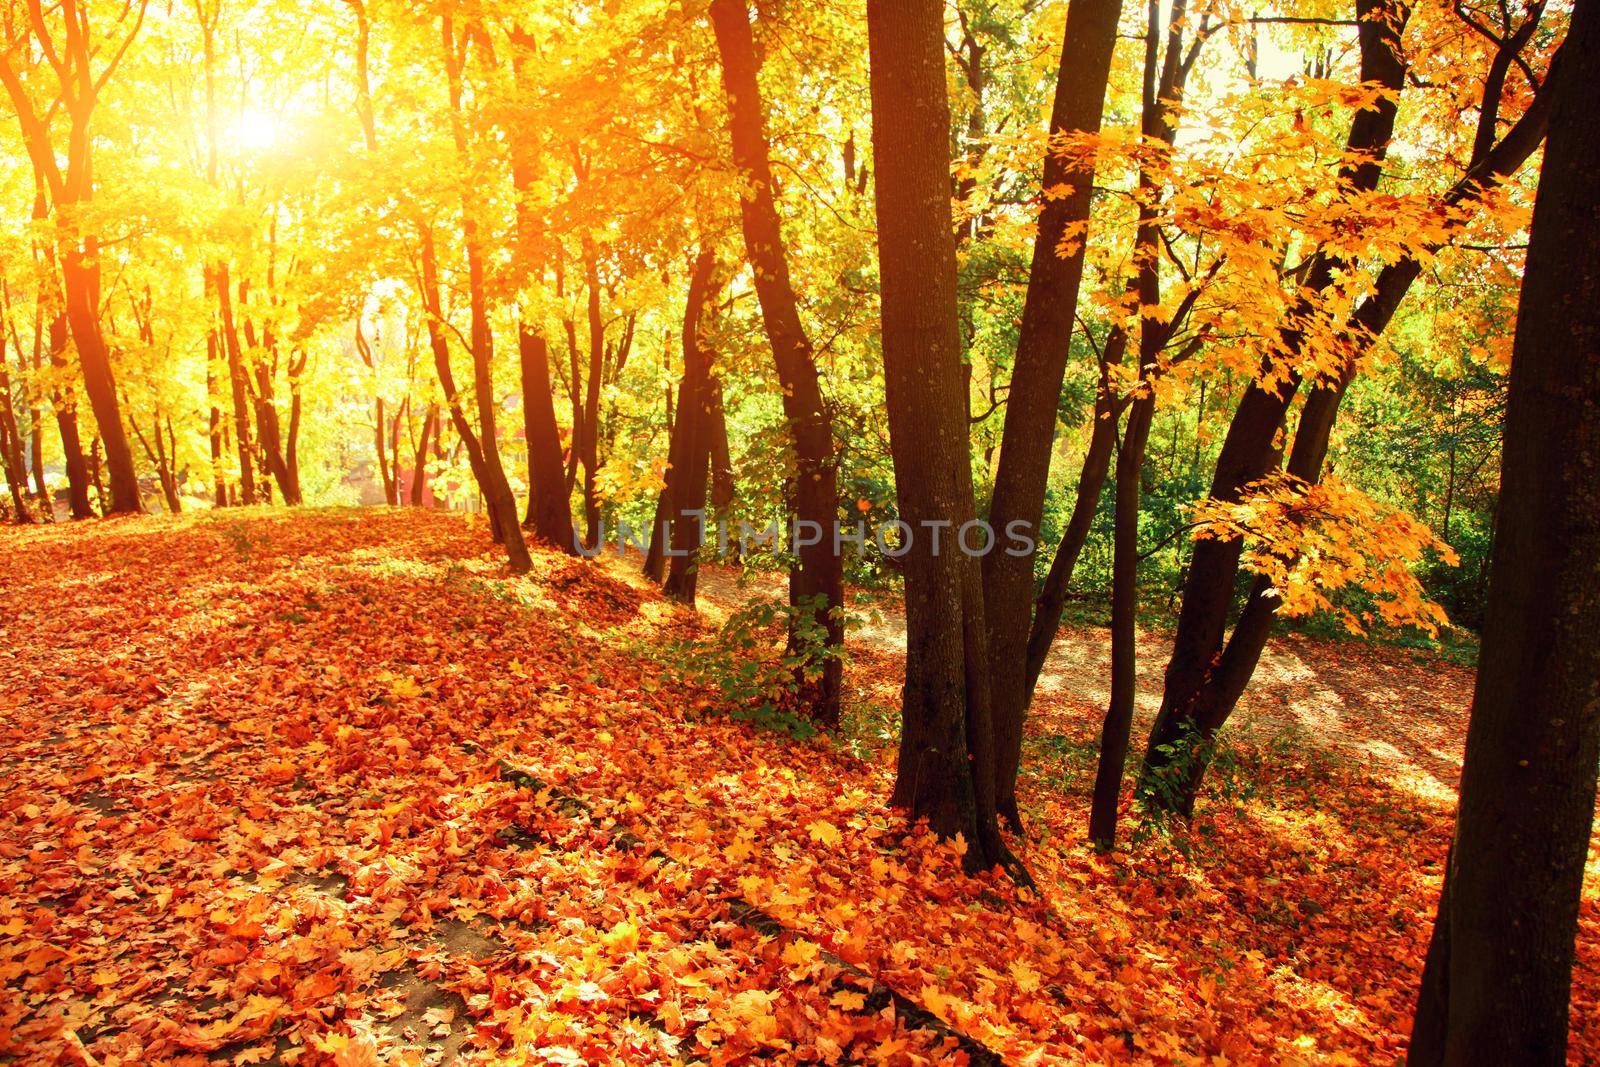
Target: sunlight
256, 130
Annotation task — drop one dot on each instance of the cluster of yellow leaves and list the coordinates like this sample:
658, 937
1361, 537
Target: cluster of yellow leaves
1314, 541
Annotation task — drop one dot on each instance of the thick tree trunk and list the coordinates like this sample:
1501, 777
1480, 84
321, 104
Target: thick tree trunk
946, 769
1042, 346
691, 437
1496, 986
816, 585
549, 515
80, 278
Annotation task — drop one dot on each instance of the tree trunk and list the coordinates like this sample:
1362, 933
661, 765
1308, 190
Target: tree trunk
96, 476
1250, 449
61, 398
291, 447
549, 515
1496, 986
419, 469
380, 434
67, 424
219, 492
166, 461
591, 398
80, 277
236, 382
269, 430
655, 557
496, 489
816, 587
1041, 358
691, 438
395, 470
47, 506
11, 443
1052, 600
946, 769
1161, 91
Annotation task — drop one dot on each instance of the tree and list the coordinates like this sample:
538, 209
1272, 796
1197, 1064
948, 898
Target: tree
70, 51
816, 582
1162, 90
1206, 676
549, 514
946, 767
1041, 359
1496, 984
690, 449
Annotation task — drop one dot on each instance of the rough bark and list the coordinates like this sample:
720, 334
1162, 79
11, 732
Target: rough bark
1496, 985
946, 768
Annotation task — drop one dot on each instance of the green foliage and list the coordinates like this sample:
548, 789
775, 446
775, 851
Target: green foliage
760, 662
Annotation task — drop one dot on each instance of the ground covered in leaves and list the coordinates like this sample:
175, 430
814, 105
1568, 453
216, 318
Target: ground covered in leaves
327, 787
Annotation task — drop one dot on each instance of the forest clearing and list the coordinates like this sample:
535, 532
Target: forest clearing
253, 808
799, 531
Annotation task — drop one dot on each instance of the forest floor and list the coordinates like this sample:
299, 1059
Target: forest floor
327, 787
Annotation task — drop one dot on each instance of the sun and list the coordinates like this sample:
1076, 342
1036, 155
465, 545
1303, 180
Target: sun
256, 130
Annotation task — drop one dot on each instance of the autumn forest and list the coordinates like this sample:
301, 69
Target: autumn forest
799, 531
